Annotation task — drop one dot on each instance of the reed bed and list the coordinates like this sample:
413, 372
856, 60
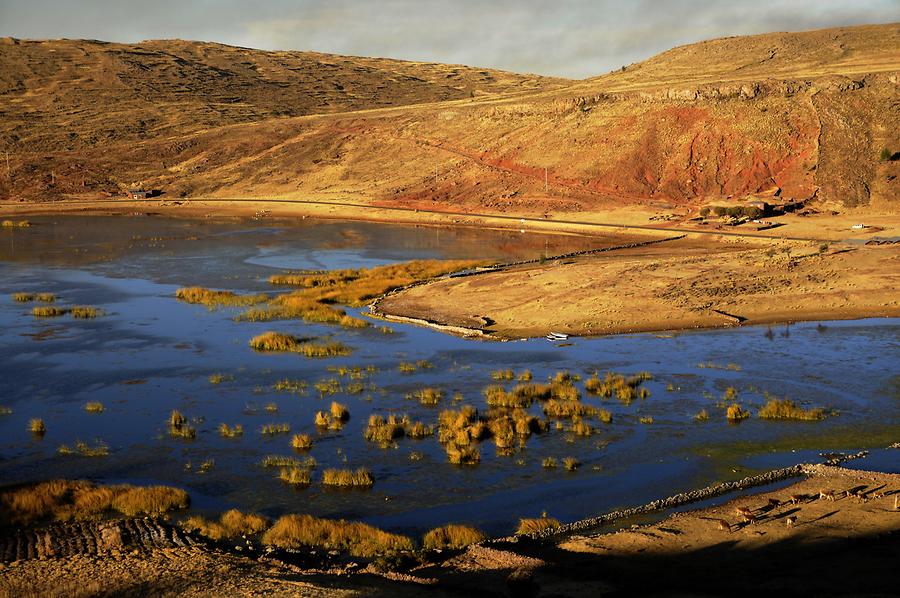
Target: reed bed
786, 409
83, 449
452, 537
537, 524
358, 539
429, 397
295, 476
302, 442
232, 524
64, 500
213, 299
289, 385
270, 461
348, 478
275, 429
286, 343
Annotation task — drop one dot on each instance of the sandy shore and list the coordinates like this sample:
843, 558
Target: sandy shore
812, 544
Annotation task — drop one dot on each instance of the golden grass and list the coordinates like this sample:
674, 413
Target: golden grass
227, 431
219, 377
85, 312
288, 385
100, 449
502, 375
735, 413
428, 397
295, 476
702, 416
549, 463
286, 343
571, 463
339, 412
646, 419
48, 311
211, 298
302, 442
535, 525
231, 524
37, 426
786, 409
270, 461
64, 500
273, 429
12, 224
731, 394
625, 389
27, 297
271, 408
384, 430
452, 536
524, 376
179, 427
358, 539
94, 407
462, 455
358, 478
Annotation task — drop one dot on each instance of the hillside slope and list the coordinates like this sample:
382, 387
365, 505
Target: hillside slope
711, 120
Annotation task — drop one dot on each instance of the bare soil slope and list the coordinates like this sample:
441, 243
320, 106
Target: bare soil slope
800, 115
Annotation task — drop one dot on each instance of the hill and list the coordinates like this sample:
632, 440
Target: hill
801, 115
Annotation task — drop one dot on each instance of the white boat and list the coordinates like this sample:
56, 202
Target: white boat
557, 336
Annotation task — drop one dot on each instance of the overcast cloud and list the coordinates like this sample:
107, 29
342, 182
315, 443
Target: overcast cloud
574, 38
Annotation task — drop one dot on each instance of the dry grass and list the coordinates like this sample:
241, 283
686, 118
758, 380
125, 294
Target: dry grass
100, 449
535, 525
85, 312
502, 375
28, 297
295, 476
212, 299
735, 413
453, 537
646, 419
339, 412
48, 311
273, 429
428, 397
231, 524
358, 539
286, 343
64, 500
37, 426
702, 416
385, 430
625, 389
270, 461
348, 478
786, 409
549, 463
302, 442
12, 224
288, 385
179, 426
571, 463
219, 377
94, 407
227, 431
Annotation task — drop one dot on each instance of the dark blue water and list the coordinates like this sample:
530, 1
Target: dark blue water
151, 354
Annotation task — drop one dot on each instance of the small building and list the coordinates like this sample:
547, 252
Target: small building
759, 204
139, 193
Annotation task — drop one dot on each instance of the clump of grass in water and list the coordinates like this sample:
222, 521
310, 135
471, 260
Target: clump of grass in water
358, 539
212, 299
273, 429
37, 426
646, 419
358, 478
702, 416
428, 397
503, 374
231, 524
735, 413
549, 463
786, 409
295, 476
219, 378
28, 297
624, 389
48, 311
100, 449
286, 343
452, 536
535, 525
288, 385
571, 463
85, 312
94, 407
302, 442
179, 427
286, 461
524, 376
271, 408
227, 431
5, 410
64, 500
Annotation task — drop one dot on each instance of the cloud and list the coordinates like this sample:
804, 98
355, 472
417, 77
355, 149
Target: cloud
574, 38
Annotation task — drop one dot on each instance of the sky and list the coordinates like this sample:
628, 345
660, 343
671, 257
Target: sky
568, 38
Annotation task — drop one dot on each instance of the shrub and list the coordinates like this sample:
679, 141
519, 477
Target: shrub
360, 478
452, 537
786, 409
358, 539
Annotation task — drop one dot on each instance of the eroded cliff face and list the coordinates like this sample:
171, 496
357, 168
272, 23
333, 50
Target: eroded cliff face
678, 139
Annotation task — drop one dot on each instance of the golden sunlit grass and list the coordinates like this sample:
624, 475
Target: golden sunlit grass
48, 311
286, 343
625, 389
646, 419
288, 385
535, 525
348, 478
339, 412
94, 407
524, 376
23, 297
273, 429
302, 442
179, 427
452, 537
219, 377
571, 463
428, 397
211, 298
702, 416
270, 461
27, 297
358, 539
231, 524
64, 500
226, 431
503, 375
786, 409
731, 394
100, 449
384, 430
37, 426
85, 312
549, 463
295, 476
13, 224
735, 413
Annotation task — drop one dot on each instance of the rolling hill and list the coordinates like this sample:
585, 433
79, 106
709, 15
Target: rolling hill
802, 115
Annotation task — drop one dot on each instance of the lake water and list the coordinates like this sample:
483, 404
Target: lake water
151, 354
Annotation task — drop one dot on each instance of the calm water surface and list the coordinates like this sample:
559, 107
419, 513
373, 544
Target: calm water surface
151, 354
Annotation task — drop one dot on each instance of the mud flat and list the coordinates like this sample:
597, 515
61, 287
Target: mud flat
836, 531
679, 284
